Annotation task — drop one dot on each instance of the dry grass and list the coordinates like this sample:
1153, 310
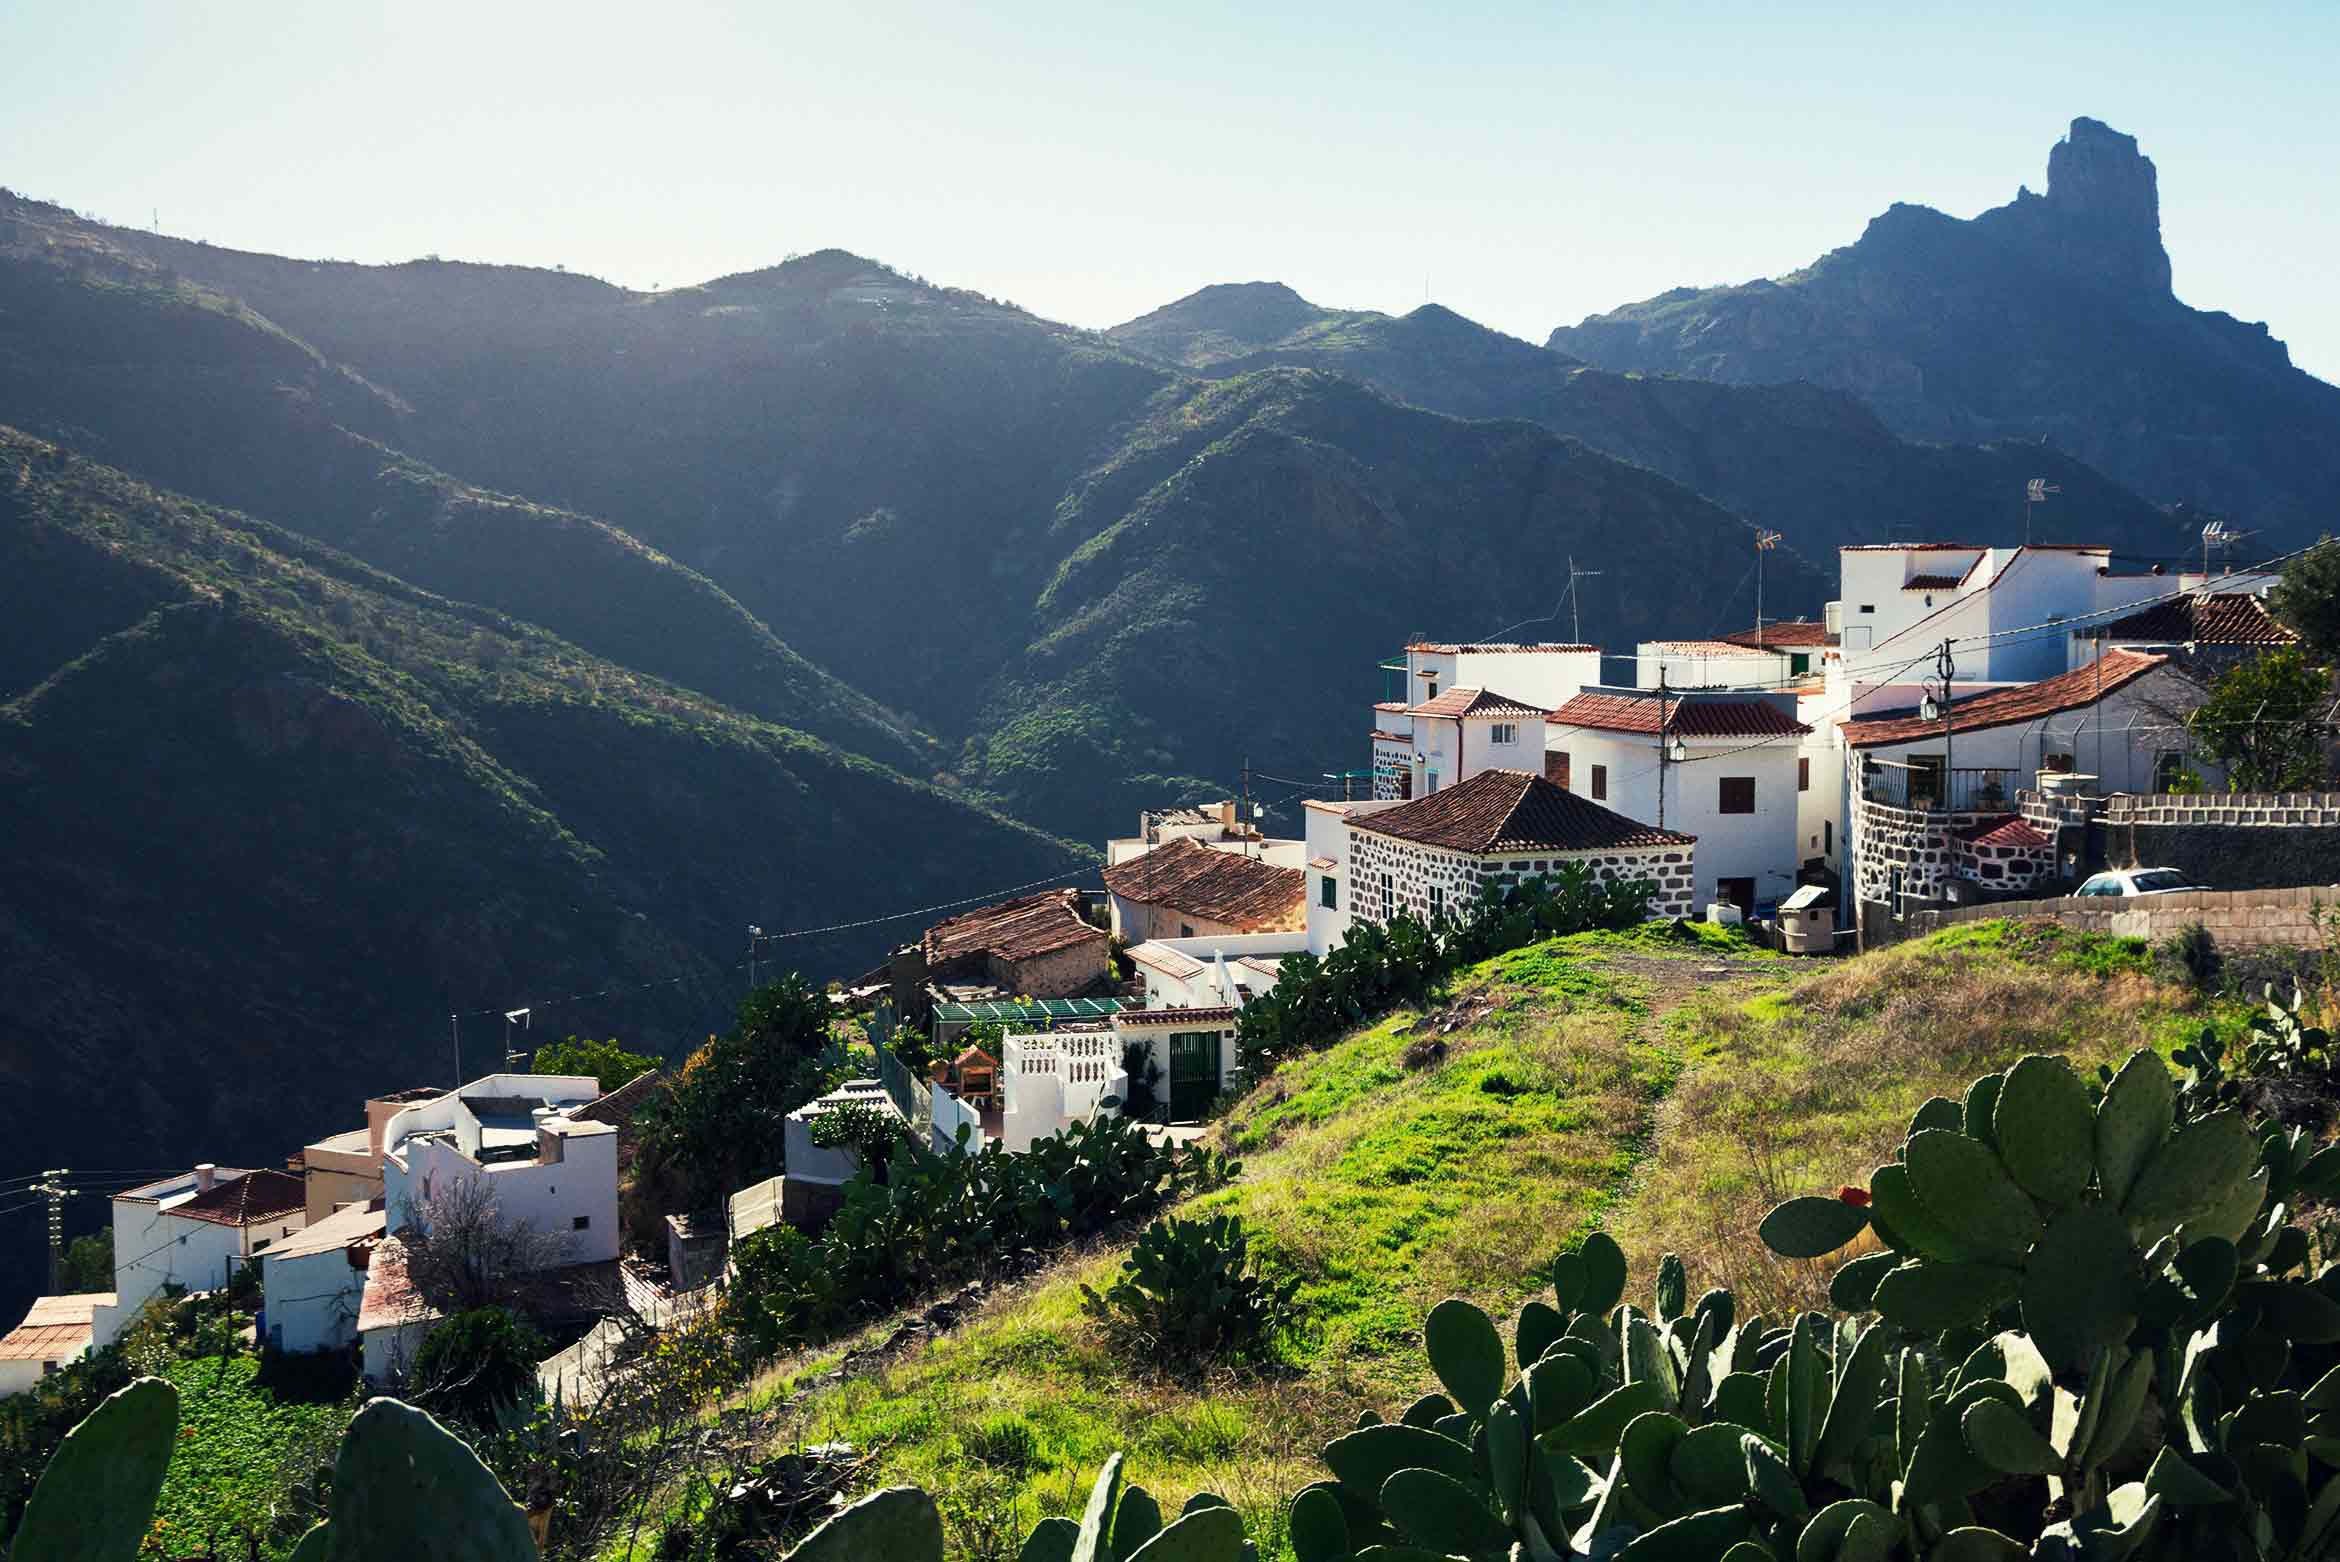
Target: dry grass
1806, 1090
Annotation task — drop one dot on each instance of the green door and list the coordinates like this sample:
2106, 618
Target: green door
1194, 1074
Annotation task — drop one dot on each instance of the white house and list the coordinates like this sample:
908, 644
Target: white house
1435, 856
1734, 771
1925, 791
193, 1231
313, 1284
1212, 971
56, 1331
1193, 1048
548, 1170
1497, 690
1706, 664
1050, 1079
346, 1168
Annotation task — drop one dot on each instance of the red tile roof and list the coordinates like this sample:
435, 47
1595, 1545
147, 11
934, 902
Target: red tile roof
1212, 1016
1219, 886
1513, 811
1012, 930
2012, 830
2003, 707
1932, 582
1773, 636
1703, 647
57, 1328
1477, 702
2210, 618
252, 1198
1483, 648
1910, 547
1686, 718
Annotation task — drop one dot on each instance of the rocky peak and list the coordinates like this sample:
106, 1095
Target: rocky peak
2102, 211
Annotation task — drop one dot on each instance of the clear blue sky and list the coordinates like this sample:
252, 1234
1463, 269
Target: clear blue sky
1530, 163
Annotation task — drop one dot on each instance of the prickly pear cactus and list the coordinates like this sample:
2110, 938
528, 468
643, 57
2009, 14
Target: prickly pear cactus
406, 1487
898, 1524
97, 1496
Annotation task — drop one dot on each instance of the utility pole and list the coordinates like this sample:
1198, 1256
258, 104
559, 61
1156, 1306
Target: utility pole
523, 1017
1244, 819
1945, 666
1575, 602
755, 936
1662, 746
455, 1023
52, 1187
1764, 543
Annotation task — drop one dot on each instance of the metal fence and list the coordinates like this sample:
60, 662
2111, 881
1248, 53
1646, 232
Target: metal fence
1896, 784
911, 1095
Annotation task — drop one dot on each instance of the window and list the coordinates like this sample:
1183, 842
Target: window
1799, 665
1868, 607
1738, 795
1803, 775
1437, 901
1388, 904
1503, 732
1329, 895
1828, 836
2169, 768
1186, 930
581, 1223
1600, 781
1431, 782
1433, 687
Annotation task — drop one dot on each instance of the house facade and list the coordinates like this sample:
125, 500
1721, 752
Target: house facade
1730, 768
1935, 800
1039, 946
1435, 856
313, 1285
193, 1231
1451, 709
57, 1331
546, 1169
1222, 826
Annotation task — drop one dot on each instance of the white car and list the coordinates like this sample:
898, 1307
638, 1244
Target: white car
2137, 881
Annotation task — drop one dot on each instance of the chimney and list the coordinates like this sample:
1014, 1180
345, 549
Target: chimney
206, 1174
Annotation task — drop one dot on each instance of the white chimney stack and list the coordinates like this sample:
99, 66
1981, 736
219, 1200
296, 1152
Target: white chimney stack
206, 1174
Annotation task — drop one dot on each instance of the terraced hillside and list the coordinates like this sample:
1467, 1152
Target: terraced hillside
1668, 1089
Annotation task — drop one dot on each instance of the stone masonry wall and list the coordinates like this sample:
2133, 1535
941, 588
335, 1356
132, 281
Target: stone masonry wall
1923, 845
2236, 919
1415, 870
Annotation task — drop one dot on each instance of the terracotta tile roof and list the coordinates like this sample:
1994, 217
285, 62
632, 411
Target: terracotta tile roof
1686, 718
342, 1229
2213, 618
1488, 647
1702, 648
2011, 830
619, 1106
1391, 737
1932, 583
2074, 690
1910, 547
1228, 887
1012, 930
179, 1182
1393, 707
254, 1197
57, 1328
1774, 636
390, 1297
1212, 1016
1513, 811
1476, 702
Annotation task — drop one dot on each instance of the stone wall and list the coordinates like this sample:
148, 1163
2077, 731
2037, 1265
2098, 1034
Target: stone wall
2007, 867
1415, 871
1923, 845
1393, 769
1071, 972
2236, 919
2228, 840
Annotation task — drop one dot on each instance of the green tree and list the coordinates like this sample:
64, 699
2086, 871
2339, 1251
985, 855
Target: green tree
2265, 721
88, 1263
477, 1365
2308, 599
606, 1061
719, 1124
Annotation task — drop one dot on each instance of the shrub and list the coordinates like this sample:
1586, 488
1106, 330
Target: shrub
870, 1131
477, 1367
1003, 1441
609, 1064
2191, 955
1187, 1295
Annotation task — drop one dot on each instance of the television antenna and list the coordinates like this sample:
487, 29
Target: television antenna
2218, 535
1576, 608
2035, 493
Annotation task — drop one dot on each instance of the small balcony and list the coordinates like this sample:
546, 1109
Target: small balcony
1923, 788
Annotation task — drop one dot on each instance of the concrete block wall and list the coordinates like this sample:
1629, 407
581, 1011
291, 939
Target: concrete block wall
2225, 808
2236, 919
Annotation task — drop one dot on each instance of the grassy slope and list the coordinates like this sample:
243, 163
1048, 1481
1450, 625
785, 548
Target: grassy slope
1601, 1080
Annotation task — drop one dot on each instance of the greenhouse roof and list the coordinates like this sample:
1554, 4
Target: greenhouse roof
1030, 1009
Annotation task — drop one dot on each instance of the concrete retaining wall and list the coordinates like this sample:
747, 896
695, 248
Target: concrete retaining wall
2236, 919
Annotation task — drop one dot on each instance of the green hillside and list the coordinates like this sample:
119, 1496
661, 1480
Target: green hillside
1815, 463
271, 815
1665, 1091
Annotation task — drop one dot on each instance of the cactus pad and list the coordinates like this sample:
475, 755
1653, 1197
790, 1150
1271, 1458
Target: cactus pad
2045, 1130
